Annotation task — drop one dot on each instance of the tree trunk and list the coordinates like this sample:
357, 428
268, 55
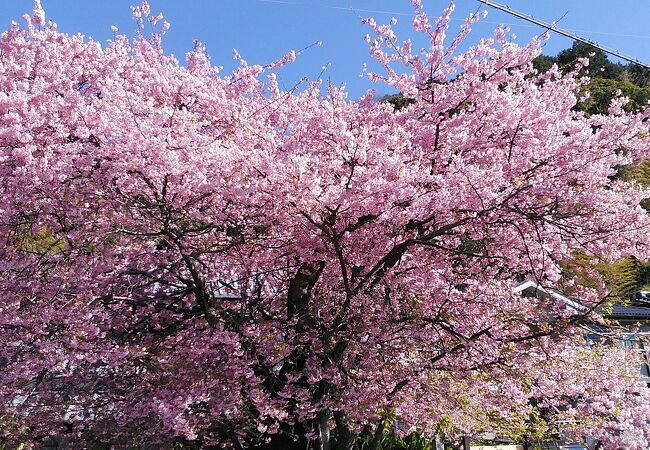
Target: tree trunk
324, 430
344, 435
376, 440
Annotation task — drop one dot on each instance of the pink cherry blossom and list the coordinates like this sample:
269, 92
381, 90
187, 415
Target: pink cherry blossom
198, 256
38, 15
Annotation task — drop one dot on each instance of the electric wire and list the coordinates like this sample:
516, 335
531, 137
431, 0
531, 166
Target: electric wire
552, 27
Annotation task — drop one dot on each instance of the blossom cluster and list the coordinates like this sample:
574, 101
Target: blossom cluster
202, 256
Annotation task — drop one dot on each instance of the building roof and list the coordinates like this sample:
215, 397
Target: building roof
532, 288
618, 312
630, 312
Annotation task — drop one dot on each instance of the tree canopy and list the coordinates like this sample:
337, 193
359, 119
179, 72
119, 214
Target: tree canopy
204, 258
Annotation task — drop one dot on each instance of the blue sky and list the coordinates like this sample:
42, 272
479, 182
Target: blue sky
264, 30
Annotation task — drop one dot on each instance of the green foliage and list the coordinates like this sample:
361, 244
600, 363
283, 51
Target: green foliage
40, 242
399, 101
622, 278
603, 90
638, 75
414, 441
11, 429
544, 62
607, 78
599, 65
639, 173
629, 274
391, 441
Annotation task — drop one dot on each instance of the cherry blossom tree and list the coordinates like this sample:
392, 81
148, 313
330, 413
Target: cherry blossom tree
204, 258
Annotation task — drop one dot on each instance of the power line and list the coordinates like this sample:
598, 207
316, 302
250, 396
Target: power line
554, 28
342, 8
411, 14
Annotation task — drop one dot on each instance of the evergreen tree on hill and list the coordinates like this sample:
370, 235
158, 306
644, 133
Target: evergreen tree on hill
607, 78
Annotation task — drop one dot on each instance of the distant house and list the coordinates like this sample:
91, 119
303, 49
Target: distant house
630, 323
635, 315
626, 325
